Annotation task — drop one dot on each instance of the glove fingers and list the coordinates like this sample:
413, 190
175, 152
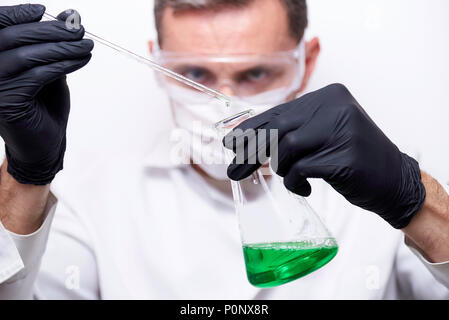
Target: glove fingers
297, 184
239, 172
38, 32
57, 104
296, 178
254, 123
54, 71
266, 120
256, 146
19, 60
25, 13
297, 144
284, 118
38, 77
303, 169
292, 118
250, 154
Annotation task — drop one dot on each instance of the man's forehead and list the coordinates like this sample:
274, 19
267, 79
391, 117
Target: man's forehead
261, 27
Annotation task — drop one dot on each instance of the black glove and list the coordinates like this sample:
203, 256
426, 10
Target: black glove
326, 134
34, 96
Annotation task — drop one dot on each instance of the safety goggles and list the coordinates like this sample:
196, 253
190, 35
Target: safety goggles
240, 75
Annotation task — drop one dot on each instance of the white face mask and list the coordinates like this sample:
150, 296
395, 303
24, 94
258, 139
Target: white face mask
197, 114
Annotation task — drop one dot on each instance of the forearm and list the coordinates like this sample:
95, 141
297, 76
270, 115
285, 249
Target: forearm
429, 229
21, 206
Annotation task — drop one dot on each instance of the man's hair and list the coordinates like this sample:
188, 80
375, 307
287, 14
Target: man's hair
296, 11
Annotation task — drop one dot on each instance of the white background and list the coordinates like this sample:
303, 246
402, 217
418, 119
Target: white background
392, 54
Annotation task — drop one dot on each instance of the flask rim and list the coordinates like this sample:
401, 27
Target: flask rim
234, 120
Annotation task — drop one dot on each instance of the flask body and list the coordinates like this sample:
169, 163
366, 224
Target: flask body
283, 239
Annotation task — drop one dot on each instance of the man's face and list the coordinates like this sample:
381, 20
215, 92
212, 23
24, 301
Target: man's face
261, 28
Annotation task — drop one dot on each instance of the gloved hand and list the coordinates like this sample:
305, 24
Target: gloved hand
34, 96
326, 134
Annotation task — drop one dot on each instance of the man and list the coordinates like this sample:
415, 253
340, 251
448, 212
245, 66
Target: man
159, 229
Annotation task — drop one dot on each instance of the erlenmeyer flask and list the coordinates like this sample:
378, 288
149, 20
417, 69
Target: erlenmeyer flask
283, 239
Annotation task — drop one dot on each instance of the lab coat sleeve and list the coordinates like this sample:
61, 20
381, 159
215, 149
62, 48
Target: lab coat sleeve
21, 256
67, 270
440, 270
413, 278
69, 266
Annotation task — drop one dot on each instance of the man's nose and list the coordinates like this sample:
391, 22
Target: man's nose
227, 90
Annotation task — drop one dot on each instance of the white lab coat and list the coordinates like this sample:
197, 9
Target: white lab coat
133, 228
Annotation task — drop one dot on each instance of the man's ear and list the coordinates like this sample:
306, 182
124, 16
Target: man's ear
151, 46
313, 49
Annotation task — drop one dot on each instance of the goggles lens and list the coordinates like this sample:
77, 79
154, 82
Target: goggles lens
237, 75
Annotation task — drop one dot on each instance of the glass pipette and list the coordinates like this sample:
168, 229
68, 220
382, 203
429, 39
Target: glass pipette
154, 65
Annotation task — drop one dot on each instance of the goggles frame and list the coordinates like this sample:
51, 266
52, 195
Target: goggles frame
298, 55
162, 55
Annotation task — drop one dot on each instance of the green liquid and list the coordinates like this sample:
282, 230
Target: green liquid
273, 264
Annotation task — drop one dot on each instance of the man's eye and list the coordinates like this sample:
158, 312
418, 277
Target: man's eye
255, 75
197, 74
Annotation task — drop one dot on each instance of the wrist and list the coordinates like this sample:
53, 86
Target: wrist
429, 229
21, 206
